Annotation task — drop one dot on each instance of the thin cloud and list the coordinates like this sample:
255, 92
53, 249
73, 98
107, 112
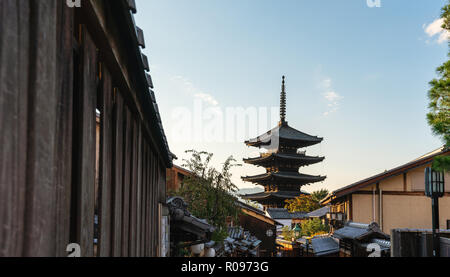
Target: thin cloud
207, 98
435, 29
331, 96
186, 86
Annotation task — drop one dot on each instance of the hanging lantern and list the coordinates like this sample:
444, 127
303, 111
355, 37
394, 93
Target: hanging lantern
434, 183
297, 231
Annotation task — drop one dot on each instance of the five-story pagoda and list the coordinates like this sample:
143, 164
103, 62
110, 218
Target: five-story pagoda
282, 180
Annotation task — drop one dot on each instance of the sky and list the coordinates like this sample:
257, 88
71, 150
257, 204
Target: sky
357, 74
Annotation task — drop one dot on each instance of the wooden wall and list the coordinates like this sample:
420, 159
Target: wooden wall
259, 228
53, 77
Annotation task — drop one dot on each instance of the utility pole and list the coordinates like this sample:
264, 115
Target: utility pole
434, 188
435, 221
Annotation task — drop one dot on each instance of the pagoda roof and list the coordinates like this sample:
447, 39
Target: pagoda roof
286, 134
298, 159
277, 195
281, 213
284, 176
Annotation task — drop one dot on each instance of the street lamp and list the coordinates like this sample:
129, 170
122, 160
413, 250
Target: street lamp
435, 188
297, 231
434, 183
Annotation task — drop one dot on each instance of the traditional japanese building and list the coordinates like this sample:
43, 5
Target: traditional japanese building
394, 199
282, 180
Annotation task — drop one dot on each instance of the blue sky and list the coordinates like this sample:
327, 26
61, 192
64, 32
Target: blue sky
357, 76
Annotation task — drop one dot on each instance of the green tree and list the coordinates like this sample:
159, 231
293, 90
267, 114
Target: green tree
287, 233
303, 203
439, 96
253, 204
314, 226
319, 195
306, 203
209, 192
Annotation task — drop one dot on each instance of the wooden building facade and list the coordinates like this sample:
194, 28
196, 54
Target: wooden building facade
393, 199
260, 226
175, 177
59, 66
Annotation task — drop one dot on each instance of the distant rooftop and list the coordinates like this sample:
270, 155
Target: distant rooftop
319, 212
359, 231
324, 246
423, 160
278, 213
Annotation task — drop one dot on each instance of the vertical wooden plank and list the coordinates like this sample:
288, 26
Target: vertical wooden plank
154, 197
426, 244
105, 185
14, 66
147, 207
127, 184
64, 127
394, 243
87, 143
147, 204
133, 196
161, 200
147, 199
408, 244
39, 232
139, 191
150, 194
156, 207
152, 205
144, 197
118, 175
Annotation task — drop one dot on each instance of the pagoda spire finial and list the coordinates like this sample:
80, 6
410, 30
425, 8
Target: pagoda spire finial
283, 102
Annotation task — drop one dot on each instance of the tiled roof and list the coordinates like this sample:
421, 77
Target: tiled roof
324, 246
298, 178
257, 211
426, 159
359, 231
145, 77
185, 221
277, 213
319, 212
351, 233
236, 233
248, 207
299, 159
278, 194
288, 133
241, 240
